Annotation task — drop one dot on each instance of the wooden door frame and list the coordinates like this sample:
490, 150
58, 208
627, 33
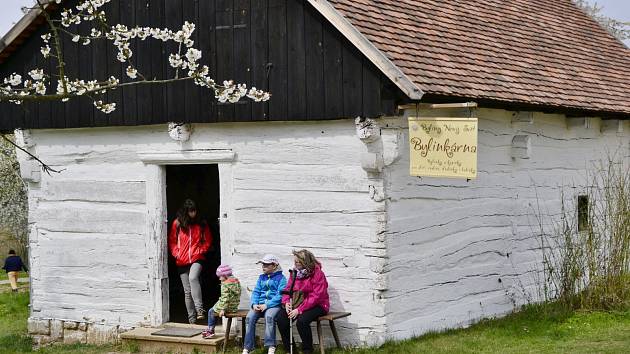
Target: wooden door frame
156, 225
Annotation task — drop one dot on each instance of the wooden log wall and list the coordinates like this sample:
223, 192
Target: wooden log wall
283, 46
464, 250
292, 185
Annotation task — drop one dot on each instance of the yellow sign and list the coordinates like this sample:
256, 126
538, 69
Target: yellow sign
443, 147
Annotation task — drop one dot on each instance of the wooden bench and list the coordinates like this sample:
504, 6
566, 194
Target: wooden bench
330, 317
242, 314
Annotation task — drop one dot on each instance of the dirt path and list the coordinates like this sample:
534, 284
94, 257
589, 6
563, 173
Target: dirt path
20, 280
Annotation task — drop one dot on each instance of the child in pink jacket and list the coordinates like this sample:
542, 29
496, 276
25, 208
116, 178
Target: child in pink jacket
310, 299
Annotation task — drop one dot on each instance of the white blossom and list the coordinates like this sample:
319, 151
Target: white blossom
45, 51
124, 55
113, 81
175, 60
36, 74
258, 95
60, 88
105, 107
14, 79
40, 88
132, 72
121, 37
193, 55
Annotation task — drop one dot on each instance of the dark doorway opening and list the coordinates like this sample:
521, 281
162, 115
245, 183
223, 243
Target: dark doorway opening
201, 184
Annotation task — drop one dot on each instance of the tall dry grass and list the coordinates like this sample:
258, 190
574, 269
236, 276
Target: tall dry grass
586, 256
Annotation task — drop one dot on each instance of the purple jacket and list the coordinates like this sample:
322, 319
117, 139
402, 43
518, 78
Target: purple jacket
314, 288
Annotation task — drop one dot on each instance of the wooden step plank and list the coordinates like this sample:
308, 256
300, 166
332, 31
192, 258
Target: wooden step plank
145, 333
149, 343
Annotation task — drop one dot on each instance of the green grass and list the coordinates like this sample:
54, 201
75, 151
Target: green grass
536, 329
13, 315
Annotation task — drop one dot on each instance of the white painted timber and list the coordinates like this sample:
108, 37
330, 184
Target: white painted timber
405, 255
99, 242
464, 250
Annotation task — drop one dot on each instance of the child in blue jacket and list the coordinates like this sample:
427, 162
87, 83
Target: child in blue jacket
265, 302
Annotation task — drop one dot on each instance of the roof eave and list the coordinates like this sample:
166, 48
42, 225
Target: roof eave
20, 28
367, 48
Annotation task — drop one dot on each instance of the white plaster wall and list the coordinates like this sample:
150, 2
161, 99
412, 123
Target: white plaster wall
460, 251
291, 185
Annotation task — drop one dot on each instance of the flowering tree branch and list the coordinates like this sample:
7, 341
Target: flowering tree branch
16, 89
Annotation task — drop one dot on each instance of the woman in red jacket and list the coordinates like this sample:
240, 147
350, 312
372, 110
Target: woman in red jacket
188, 241
310, 299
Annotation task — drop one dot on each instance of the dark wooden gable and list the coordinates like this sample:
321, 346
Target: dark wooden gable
283, 46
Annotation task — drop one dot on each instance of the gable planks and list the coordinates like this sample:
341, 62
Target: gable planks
284, 46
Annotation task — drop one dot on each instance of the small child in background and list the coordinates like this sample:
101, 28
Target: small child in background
228, 301
13, 265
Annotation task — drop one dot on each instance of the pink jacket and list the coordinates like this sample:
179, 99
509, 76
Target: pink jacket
314, 288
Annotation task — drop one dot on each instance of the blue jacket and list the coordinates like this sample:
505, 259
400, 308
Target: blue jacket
268, 289
14, 264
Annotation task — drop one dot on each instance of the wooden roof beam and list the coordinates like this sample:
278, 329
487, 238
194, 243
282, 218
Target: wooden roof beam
380, 60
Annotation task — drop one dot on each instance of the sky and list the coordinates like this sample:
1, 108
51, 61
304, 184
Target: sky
10, 12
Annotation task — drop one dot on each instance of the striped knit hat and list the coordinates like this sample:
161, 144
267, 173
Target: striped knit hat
224, 270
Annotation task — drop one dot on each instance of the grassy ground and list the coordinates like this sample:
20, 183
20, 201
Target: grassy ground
539, 329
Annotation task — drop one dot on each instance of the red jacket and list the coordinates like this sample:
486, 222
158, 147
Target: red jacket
314, 288
189, 244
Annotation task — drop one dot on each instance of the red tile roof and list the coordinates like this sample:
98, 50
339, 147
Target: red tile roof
541, 52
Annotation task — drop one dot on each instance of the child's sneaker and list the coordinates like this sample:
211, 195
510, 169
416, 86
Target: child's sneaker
245, 351
200, 314
207, 333
271, 350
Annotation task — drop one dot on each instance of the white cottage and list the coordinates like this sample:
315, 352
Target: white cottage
404, 254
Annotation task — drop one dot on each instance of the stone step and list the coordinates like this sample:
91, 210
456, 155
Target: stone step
148, 343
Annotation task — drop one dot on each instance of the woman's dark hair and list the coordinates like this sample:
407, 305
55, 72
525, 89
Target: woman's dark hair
11, 251
182, 213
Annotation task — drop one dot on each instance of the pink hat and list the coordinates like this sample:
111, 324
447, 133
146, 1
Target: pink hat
224, 270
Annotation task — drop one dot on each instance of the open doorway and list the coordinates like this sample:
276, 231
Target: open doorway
201, 184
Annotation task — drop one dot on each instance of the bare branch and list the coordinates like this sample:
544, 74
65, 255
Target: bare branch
46, 168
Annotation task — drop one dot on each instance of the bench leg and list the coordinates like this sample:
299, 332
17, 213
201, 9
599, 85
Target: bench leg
320, 335
227, 333
334, 332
